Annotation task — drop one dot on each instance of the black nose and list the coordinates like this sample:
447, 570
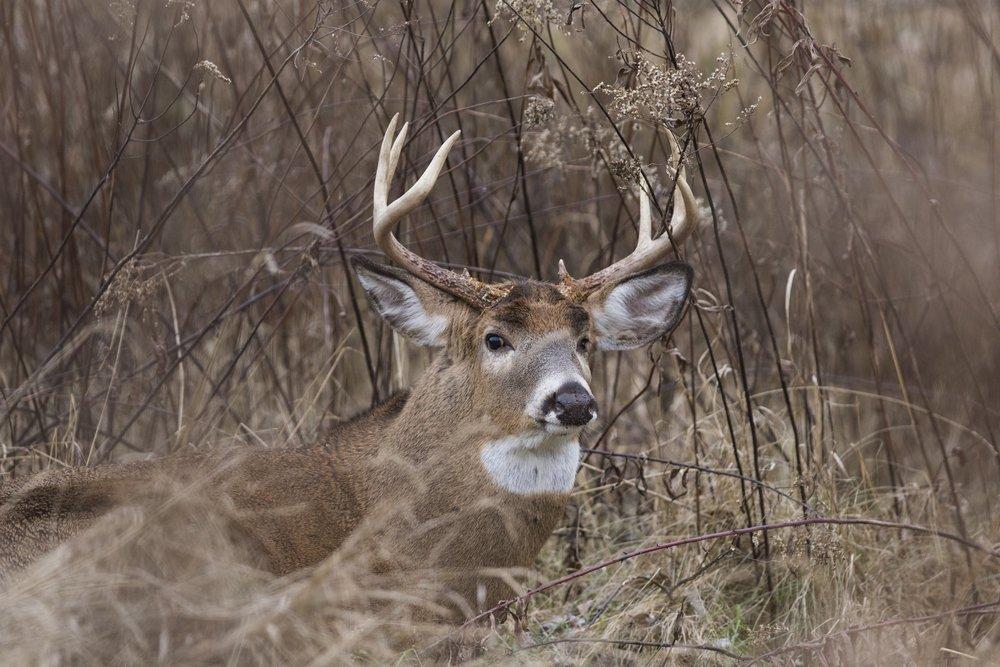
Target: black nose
572, 404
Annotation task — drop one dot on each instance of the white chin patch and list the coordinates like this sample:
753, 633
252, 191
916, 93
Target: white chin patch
535, 462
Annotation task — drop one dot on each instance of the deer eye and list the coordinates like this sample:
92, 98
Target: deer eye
495, 342
583, 345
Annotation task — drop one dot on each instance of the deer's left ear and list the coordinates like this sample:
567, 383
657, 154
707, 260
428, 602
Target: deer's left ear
411, 306
641, 308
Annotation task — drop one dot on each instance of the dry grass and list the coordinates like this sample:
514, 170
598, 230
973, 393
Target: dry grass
183, 181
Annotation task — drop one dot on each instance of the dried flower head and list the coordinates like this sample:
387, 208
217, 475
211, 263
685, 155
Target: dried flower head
126, 288
744, 115
528, 15
212, 69
539, 111
626, 169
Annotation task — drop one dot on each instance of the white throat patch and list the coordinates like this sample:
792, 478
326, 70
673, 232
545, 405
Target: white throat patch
533, 462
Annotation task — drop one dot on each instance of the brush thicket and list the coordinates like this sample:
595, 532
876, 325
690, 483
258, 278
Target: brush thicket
184, 181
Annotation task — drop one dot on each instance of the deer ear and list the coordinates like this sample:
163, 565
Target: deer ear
641, 308
411, 306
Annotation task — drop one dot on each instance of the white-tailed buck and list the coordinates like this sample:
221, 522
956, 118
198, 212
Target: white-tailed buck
469, 471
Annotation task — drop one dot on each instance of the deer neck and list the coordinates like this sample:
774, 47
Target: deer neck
438, 416
451, 493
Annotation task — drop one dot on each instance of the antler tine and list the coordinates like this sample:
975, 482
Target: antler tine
685, 218
386, 215
645, 216
387, 160
648, 251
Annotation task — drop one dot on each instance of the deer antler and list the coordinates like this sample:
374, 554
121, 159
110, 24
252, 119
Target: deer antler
648, 251
386, 215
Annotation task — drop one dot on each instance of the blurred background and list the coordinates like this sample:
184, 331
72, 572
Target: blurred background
184, 182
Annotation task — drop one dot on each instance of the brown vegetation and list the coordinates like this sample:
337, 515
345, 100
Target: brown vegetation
184, 183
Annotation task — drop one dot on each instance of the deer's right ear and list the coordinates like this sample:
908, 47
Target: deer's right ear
410, 305
641, 308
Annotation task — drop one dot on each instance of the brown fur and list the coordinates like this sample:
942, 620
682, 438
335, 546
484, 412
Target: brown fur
403, 479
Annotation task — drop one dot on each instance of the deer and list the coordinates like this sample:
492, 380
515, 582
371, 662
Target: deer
465, 474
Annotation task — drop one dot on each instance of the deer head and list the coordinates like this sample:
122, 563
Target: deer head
525, 346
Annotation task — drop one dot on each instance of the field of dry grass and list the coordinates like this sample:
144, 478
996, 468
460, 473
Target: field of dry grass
183, 181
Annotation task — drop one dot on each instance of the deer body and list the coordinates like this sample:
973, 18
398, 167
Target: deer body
467, 473
404, 467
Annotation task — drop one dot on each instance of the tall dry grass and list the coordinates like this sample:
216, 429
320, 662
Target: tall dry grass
182, 184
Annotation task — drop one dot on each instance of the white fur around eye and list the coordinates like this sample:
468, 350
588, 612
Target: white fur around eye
498, 363
401, 307
639, 311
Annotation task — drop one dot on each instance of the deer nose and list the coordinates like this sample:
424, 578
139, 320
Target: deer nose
572, 405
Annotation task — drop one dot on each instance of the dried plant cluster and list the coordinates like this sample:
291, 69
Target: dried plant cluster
667, 93
530, 16
183, 183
